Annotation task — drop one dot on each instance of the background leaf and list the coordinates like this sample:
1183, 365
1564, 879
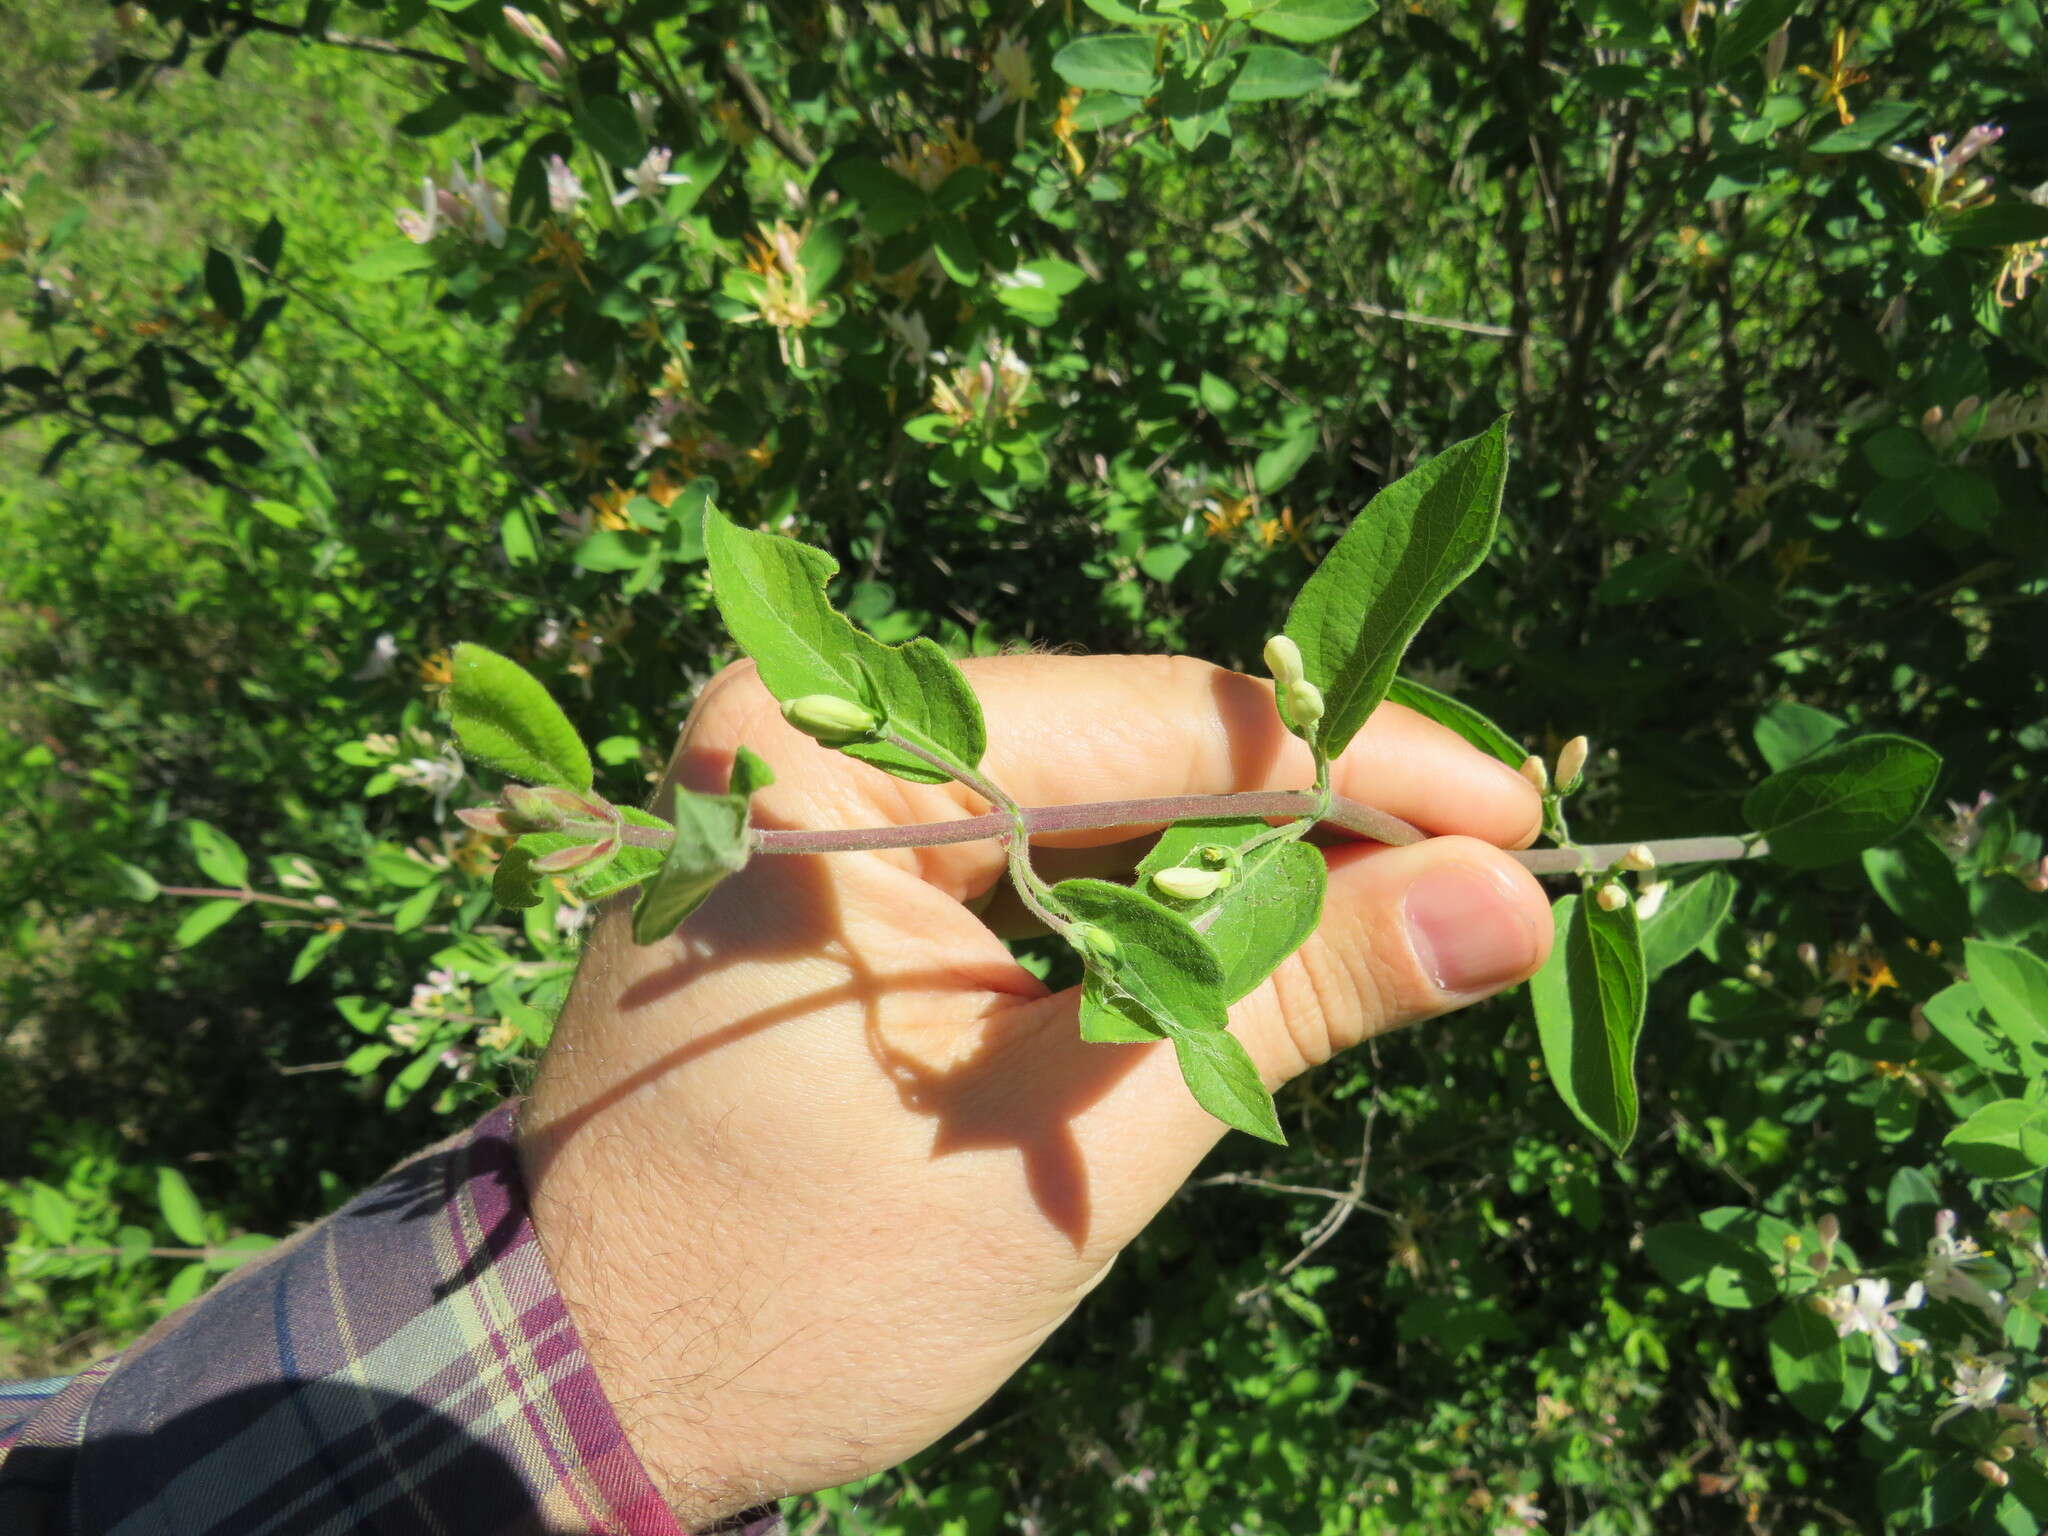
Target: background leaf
1842, 799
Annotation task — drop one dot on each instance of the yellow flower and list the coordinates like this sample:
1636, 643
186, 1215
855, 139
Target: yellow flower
2021, 267
1794, 556
1273, 529
437, 671
1063, 130
928, 162
610, 506
564, 250
1833, 85
661, 490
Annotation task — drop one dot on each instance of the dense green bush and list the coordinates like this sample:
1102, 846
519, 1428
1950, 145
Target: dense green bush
1082, 325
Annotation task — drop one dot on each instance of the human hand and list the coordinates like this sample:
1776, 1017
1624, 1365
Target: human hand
820, 1172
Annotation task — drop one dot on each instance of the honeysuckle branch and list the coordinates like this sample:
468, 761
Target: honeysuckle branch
1349, 815
327, 916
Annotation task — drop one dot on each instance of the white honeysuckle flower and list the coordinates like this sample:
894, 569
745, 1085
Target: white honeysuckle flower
570, 917
1863, 1307
565, 187
531, 28
421, 227
1978, 1382
383, 656
648, 177
1951, 1261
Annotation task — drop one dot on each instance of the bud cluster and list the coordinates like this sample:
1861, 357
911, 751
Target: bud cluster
1300, 701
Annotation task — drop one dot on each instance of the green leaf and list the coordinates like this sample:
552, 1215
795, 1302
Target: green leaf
771, 594
1164, 974
1412, 544
1876, 125
180, 1207
1276, 74
1900, 453
608, 126
1589, 1000
217, 855
2009, 221
389, 261
1787, 733
889, 203
1711, 1265
224, 284
2007, 1139
1108, 61
1281, 463
131, 880
1267, 911
514, 885
1220, 1074
711, 843
416, 908
237, 1251
202, 920
1957, 1014
1918, 881
314, 952
504, 718
1843, 799
55, 1217
1688, 918
1814, 1369
1756, 23
185, 1284
1462, 718
1311, 21
2013, 985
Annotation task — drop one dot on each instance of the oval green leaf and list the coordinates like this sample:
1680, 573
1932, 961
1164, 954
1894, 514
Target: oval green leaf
505, 719
1844, 798
1589, 1000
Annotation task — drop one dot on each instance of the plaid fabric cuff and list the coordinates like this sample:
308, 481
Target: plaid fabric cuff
405, 1367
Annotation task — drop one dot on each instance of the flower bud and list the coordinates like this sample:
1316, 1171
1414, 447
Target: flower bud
1184, 884
562, 860
1283, 660
833, 721
490, 822
1639, 859
1571, 762
1829, 1230
1992, 1472
1611, 897
528, 809
1774, 54
1302, 706
1093, 941
1650, 899
2038, 880
1215, 855
1533, 770
1809, 956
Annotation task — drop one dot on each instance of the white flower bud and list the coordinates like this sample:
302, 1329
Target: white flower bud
1533, 770
1774, 54
835, 722
1992, 1472
1302, 706
1611, 897
1639, 859
1651, 898
1283, 660
1184, 884
1571, 762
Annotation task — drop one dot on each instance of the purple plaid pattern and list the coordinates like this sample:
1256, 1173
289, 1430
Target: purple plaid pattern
405, 1367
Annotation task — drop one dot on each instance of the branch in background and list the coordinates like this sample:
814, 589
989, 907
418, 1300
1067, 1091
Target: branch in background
787, 139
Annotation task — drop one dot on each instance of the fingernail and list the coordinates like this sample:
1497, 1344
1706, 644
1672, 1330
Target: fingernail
1468, 930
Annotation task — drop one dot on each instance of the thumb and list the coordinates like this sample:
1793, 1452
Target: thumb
1407, 934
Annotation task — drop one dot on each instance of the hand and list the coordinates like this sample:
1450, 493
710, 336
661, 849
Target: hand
818, 1173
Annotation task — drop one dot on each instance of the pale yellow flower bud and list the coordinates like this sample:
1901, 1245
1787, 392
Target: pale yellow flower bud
835, 722
1533, 770
1571, 763
1611, 897
1283, 660
1650, 900
1184, 884
1993, 1473
1639, 859
1302, 706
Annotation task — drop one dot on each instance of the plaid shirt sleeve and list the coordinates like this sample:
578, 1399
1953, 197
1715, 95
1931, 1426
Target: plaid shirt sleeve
405, 1367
